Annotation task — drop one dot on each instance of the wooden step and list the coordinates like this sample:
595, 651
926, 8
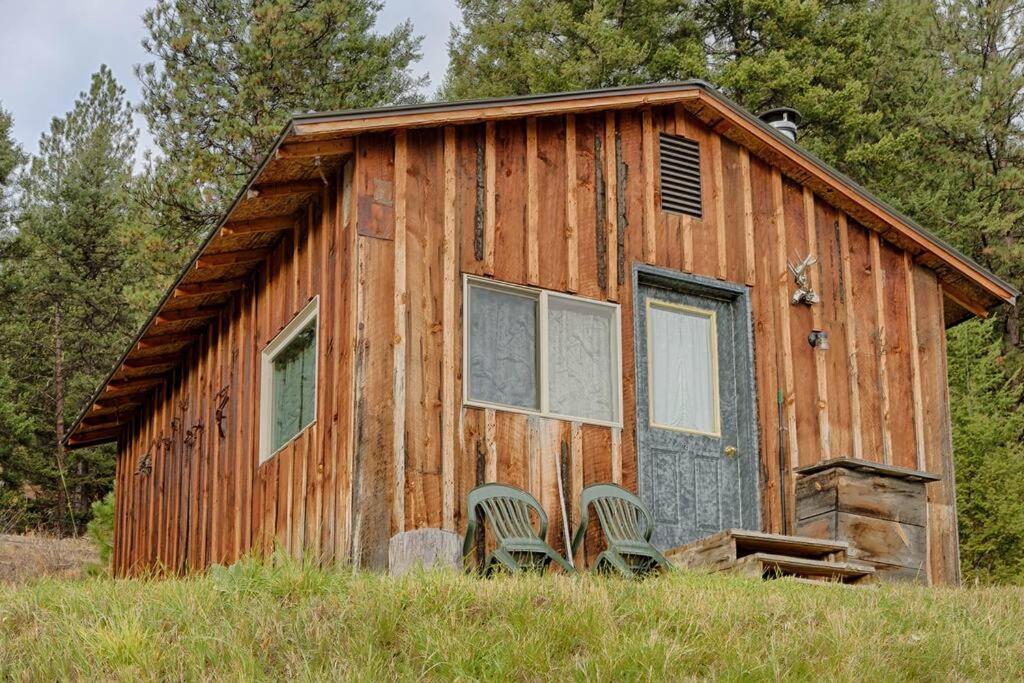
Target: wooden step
748, 542
722, 550
771, 566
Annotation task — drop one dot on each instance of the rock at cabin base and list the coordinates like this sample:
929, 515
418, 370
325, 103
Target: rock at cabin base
427, 548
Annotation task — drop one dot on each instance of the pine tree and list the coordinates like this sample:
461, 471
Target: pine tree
11, 157
524, 47
63, 285
14, 424
227, 75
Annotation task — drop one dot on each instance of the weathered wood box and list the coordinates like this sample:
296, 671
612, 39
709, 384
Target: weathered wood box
880, 510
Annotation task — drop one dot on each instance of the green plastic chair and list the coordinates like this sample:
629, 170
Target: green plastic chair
627, 527
519, 547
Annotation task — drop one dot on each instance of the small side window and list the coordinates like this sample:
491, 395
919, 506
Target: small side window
679, 169
289, 382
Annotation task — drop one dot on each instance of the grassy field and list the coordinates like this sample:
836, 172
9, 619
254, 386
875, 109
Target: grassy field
256, 622
23, 557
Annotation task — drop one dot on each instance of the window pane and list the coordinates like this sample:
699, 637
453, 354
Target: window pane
294, 387
682, 380
503, 348
582, 360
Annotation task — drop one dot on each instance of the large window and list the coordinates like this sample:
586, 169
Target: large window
288, 382
535, 351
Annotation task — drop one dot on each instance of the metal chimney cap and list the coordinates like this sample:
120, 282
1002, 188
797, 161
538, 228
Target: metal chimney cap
784, 119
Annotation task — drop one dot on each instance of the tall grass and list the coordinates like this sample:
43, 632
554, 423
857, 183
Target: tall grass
254, 621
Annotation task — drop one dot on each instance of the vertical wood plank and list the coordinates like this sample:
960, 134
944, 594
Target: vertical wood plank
864, 323
748, 216
820, 361
553, 198
450, 332
490, 446
632, 242
597, 469
718, 196
347, 288
833, 319
490, 208
425, 330
533, 192
856, 434
767, 364
572, 246
785, 338
510, 202
915, 360
616, 455
882, 349
470, 178
805, 401
316, 259
899, 359
401, 327
649, 226
611, 206
373, 475
576, 483
946, 565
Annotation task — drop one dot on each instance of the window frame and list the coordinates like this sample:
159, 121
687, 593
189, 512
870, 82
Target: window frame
712, 316
541, 296
310, 313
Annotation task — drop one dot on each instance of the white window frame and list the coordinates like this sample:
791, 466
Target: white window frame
309, 313
542, 296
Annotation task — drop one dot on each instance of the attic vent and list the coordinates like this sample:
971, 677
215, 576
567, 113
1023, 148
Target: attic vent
680, 175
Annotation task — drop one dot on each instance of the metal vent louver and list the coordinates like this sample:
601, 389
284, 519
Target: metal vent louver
680, 175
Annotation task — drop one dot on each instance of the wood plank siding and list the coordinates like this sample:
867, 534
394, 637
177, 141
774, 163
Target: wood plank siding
567, 202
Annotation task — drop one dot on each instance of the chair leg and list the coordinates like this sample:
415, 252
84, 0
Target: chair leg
615, 561
503, 558
562, 562
661, 560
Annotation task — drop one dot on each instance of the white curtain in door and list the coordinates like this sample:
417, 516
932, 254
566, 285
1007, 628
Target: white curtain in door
682, 369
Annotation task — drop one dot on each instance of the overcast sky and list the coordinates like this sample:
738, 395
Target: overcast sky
50, 48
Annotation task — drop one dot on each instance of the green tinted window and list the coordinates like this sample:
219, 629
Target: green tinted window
294, 387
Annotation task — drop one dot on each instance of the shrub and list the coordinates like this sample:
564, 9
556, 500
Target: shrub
101, 527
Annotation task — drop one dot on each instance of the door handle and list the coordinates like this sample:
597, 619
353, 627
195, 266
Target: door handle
730, 451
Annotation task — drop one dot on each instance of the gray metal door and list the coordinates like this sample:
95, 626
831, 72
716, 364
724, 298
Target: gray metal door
696, 420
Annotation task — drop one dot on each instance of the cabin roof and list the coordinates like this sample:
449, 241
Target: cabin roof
313, 146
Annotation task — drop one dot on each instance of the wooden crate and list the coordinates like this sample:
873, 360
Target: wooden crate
880, 510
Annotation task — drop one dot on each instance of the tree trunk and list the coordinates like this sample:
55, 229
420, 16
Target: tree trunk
63, 501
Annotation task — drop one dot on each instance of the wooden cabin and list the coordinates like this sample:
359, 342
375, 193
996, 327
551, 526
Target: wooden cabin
547, 291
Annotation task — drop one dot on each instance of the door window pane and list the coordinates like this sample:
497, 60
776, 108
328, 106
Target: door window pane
503, 365
582, 359
683, 367
294, 387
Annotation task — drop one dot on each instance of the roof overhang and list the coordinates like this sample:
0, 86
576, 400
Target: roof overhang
312, 146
